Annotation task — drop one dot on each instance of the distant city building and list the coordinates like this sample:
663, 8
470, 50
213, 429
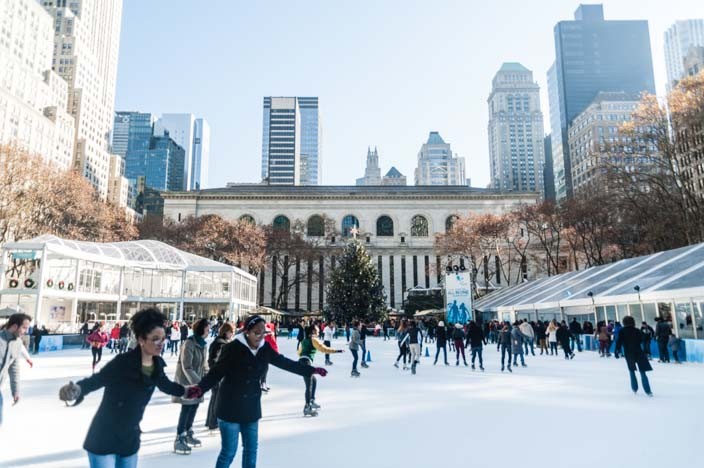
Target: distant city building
85, 53
131, 131
291, 141
33, 98
592, 55
594, 141
372, 172
393, 177
694, 61
161, 164
193, 135
516, 145
436, 164
548, 177
679, 38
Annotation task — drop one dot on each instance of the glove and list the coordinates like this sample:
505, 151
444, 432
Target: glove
320, 371
340, 350
193, 392
69, 392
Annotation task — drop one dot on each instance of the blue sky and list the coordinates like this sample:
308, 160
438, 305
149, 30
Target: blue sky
387, 71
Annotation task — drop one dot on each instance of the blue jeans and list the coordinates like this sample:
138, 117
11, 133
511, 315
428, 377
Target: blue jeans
112, 461
0, 407
355, 358
363, 347
229, 435
643, 379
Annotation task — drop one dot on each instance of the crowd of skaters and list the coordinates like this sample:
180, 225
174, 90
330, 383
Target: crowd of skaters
235, 365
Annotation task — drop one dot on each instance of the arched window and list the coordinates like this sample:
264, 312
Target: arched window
384, 227
419, 226
349, 222
281, 223
316, 226
450, 221
247, 219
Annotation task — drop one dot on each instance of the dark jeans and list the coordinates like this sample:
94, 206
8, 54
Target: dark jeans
662, 349
186, 418
229, 435
646, 347
97, 354
553, 347
576, 339
643, 379
515, 356
37, 340
173, 347
355, 358
211, 421
363, 346
566, 348
529, 342
402, 353
310, 381
444, 352
477, 351
506, 351
459, 348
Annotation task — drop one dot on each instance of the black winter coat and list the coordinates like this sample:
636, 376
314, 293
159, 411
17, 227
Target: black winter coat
575, 328
441, 336
240, 393
475, 337
214, 351
115, 427
631, 339
458, 334
563, 335
505, 338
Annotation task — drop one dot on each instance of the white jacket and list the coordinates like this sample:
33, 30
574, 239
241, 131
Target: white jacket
328, 333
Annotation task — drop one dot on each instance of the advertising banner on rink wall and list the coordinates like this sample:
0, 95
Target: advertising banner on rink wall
458, 293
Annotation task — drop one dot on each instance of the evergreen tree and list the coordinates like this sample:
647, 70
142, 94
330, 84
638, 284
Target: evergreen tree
355, 290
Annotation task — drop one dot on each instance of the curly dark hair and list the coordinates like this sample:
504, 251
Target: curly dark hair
199, 326
146, 320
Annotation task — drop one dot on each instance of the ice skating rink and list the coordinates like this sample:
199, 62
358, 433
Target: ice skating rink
556, 413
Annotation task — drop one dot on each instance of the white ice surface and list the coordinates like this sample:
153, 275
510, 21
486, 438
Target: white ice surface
554, 413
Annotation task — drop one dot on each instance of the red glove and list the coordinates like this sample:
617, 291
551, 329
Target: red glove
320, 371
193, 392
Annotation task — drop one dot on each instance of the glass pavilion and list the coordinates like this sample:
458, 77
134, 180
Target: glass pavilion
63, 283
668, 284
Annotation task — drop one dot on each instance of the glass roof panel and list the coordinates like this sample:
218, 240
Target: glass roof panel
693, 279
537, 294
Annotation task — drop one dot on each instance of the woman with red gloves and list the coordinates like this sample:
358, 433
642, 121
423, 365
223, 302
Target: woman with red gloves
98, 339
240, 367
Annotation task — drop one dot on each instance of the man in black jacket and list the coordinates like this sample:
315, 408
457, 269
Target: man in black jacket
363, 343
576, 332
663, 330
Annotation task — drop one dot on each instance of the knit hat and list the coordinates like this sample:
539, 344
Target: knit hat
458, 325
441, 323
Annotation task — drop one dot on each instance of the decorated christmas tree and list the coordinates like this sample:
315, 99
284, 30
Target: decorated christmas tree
355, 290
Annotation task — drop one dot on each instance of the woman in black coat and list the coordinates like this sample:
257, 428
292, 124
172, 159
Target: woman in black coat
129, 381
475, 341
225, 334
630, 339
239, 370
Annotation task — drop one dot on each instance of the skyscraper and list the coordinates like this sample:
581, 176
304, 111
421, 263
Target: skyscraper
160, 163
132, 130
33, 98
292, 134
436, 164
678, 39
193, 135
592, 55
516, 131
86, 45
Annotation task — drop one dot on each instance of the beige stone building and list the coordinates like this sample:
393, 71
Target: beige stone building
397, 224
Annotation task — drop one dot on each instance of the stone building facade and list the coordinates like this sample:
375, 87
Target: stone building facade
397, 224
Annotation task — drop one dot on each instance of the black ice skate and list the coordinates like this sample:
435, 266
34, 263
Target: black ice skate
314, 405
180, 445
192, 441
355, 374
309, 411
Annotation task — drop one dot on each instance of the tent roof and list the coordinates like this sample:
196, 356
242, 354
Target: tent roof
661, 276
141, 254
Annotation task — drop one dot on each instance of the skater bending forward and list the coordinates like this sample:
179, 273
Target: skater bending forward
240, 367
129, 380
309, 346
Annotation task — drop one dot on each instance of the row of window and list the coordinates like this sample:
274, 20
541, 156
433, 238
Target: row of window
315, 227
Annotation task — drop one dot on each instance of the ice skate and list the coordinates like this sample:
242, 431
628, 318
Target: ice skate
524, 365
314, 405
396, 364
481, 368
192, 441
509, 369
472, 366
180, 445
309, 411
355, 374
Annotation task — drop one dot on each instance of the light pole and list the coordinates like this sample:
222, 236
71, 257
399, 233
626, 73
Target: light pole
640, 303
